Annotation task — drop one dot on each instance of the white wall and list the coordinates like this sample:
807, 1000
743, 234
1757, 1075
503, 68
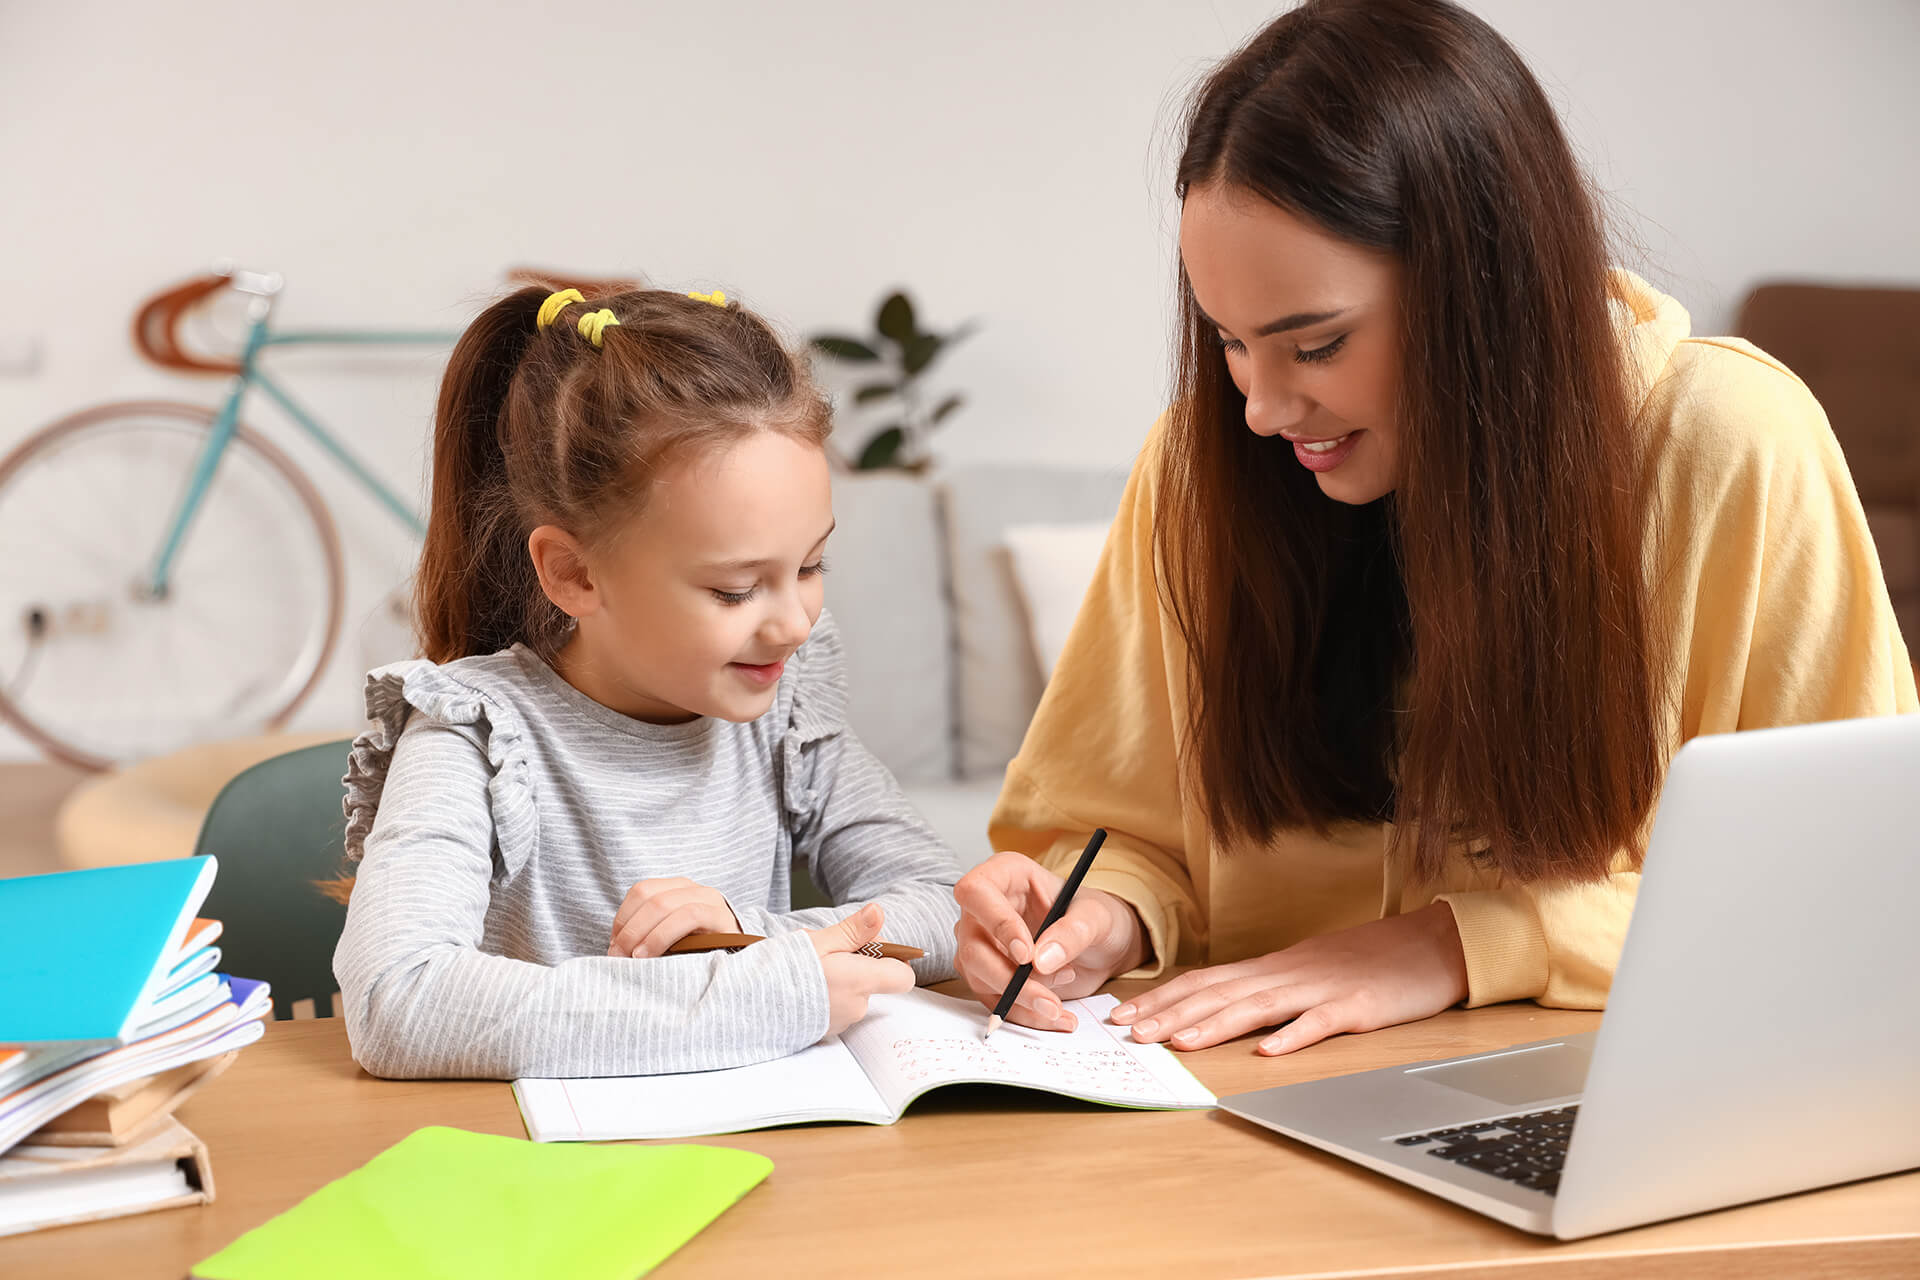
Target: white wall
1005, 161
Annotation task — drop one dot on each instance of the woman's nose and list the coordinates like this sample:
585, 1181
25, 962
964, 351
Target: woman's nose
1273, 407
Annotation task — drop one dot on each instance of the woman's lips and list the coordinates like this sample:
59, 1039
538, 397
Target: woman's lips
1325, 455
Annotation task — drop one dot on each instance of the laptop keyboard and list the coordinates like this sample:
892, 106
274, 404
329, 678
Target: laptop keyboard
1528, 1149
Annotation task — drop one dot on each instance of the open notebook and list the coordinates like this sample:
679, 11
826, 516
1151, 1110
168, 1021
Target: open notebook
906, 1045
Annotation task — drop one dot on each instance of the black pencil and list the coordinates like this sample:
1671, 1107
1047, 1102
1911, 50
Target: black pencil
1058, 909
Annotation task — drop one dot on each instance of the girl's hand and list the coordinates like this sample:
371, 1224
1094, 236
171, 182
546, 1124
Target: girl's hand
1002, 901
1399, 969
852, 979
658, 913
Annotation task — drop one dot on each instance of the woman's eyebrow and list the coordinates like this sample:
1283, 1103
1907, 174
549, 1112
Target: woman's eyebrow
1298, 320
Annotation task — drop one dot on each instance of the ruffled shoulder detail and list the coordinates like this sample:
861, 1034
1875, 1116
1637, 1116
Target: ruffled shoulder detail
817, 715
456, 694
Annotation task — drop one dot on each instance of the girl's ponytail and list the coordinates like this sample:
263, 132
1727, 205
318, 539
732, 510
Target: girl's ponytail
476, 581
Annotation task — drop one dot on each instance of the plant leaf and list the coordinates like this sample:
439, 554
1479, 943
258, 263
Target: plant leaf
840, 348
875, 391
881, 450
947, 406
895, 319
920, 352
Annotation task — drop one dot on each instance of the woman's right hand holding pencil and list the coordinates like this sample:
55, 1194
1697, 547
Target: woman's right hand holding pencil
1002, 901
853, 979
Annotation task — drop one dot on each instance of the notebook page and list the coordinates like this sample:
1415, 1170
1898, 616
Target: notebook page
913, 1042
821, 1082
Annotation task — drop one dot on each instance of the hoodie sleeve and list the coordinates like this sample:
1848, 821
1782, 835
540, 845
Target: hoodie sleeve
1101, 749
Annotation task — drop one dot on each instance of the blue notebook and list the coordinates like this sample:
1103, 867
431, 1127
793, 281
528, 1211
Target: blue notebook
84, 953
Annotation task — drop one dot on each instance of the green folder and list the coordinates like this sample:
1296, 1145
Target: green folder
445, 1204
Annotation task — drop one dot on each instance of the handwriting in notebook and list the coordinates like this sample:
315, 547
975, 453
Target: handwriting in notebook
1102, 1071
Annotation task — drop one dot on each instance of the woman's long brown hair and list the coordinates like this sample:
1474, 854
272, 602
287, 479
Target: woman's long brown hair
1470, 657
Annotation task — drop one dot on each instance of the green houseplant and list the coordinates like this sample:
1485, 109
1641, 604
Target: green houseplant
903, 352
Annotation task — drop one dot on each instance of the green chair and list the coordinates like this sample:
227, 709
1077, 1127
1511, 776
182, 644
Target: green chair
802, 891
277, 829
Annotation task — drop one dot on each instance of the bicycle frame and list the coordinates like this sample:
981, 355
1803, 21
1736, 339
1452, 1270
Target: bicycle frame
259, 338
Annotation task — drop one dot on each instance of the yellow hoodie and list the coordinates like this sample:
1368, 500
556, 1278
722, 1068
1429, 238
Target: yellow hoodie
1778, 612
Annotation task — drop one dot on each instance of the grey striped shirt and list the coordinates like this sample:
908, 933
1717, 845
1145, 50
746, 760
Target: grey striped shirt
500, 816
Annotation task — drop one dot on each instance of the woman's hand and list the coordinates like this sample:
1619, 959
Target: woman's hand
658, 913
1002, 901
854, 979
1399, 969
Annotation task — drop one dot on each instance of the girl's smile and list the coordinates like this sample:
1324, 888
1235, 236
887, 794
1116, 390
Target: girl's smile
762, 675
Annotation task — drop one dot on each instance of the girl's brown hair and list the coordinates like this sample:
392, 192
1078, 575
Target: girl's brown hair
1470, 657
537, 425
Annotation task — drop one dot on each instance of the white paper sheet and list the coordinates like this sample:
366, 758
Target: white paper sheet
820, 1083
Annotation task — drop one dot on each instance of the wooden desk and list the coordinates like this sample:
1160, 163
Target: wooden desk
1001, 1182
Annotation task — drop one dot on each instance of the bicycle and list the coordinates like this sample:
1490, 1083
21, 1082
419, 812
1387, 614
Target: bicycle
188, 581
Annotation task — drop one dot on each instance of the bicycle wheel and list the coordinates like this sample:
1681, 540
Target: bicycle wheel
94, 668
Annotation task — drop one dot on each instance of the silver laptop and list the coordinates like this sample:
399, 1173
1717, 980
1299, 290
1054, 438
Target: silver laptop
1763, 1032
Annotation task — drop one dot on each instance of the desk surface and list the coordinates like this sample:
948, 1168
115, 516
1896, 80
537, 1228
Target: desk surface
1004, 1182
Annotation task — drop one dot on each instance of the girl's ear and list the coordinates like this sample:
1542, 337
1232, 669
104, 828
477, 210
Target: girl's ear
561, 562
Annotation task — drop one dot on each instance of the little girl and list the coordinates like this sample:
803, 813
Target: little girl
630, 720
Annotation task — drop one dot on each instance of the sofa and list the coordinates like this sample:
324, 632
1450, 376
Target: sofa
943, 670
1858, 349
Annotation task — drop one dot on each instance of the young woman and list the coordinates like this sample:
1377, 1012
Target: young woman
1451, 538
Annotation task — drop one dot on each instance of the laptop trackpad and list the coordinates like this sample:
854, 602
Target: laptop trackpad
1517, 1077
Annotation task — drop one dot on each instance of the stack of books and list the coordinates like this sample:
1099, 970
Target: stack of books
112, 1013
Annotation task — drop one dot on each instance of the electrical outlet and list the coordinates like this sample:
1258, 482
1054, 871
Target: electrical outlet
19, 355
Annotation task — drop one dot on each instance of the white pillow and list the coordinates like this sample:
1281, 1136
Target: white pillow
1053, 565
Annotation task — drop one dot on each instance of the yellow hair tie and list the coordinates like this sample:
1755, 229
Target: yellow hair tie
554, 305
595, 323
717, 298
